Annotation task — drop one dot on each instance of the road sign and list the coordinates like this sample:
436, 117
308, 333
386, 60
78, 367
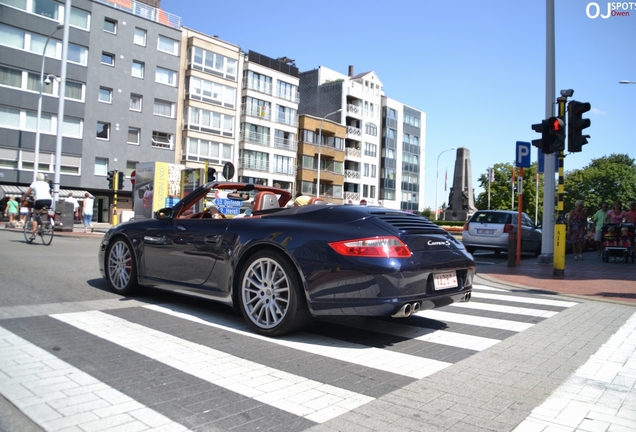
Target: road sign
523, 155
132, 177
230, 210
226, 202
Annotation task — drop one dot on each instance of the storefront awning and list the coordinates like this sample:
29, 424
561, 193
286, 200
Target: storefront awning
18, 191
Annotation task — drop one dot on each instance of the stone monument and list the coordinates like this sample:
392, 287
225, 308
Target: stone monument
461, 200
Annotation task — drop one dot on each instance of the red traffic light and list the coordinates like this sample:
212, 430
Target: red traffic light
556, 125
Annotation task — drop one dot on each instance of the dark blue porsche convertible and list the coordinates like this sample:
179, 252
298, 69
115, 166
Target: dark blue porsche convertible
280, 266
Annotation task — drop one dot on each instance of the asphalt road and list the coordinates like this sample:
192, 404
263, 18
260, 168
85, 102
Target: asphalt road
74, 356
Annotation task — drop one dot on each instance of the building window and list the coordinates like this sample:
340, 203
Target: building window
79, 18
259, 82
136, 102
202, 150
164, 108
162, 140
105, 95
168, 45
77, 54
137, 69
370, 149
140, 37
287, 116
371, 129
130, 167
286, 91
110, 25
133, 135
108, 59
212, 92
103, 130
101, 166
166, 76
74, 90
213, 63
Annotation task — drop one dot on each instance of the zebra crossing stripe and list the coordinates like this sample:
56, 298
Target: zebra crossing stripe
362, 355
441, 337
475, 320
505, 309
530, 300
56, 395
487, 288
295, 394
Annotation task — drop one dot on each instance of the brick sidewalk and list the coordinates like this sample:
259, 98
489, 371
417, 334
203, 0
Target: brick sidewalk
615, 281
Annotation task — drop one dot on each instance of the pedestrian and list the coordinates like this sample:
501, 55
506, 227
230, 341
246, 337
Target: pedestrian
87, 212
597, 226
616, 214
301, 200
71, 199
577, 225
631, 214
11, 210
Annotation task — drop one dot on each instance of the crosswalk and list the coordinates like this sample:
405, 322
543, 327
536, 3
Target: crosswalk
181, 367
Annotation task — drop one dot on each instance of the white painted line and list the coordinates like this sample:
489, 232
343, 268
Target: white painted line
487, 288
441, 337
57, 395
500, 324
530, 300
505, 309
385, 360
295, 394
598, 395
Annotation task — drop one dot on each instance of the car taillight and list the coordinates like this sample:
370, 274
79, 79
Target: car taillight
466, 226
373, 247
508, 228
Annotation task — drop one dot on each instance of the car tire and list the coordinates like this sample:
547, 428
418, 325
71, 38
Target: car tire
121, 267
271, 296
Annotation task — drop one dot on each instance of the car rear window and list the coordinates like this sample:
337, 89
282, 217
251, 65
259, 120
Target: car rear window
490, 217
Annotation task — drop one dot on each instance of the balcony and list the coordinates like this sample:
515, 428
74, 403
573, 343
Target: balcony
145, 11
255, 138
259, 86
353, 153
286, 144
254, 165
352, 174
354, 131
258, 112
353, 196
354, 110
285, 170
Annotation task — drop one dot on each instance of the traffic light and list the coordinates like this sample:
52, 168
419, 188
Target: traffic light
540, 127
120, 181
211, 174
556, 133
576, 124
110, 177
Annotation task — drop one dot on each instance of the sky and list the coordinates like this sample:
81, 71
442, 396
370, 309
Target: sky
476, 68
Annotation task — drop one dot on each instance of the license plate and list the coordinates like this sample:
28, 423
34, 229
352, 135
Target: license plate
444, 280
485, 231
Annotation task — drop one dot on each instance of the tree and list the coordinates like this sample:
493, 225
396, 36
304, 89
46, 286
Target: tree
608, 178
501, 197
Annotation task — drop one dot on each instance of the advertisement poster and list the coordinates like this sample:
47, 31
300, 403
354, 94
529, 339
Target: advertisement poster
157, 185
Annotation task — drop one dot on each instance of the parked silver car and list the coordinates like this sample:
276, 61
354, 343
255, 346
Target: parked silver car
488, 229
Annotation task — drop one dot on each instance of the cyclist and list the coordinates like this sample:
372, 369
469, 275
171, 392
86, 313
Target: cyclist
42, 192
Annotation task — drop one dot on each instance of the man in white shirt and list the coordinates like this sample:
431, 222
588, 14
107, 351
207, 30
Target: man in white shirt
71, 199
42, 192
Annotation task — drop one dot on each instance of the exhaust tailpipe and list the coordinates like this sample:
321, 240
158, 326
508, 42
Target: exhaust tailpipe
404, 311
416, 307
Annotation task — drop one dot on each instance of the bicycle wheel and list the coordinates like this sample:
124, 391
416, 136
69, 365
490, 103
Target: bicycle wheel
28, 227
46, 232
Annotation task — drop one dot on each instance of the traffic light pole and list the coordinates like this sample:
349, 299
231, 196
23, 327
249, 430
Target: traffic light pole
115, 186
560, 225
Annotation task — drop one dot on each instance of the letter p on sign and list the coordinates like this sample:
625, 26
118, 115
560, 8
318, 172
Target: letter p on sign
523, 155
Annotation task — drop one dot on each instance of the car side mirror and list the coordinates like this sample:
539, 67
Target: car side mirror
164, 213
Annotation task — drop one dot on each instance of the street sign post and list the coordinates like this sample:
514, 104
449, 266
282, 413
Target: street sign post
523, 154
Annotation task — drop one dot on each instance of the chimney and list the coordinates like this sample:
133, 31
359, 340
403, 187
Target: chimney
350, 71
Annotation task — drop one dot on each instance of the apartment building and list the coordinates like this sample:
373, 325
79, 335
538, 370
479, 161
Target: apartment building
121, 92
354, 101
268, 140
209, 120
402, 169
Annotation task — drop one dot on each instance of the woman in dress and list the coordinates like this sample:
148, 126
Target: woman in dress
577, 226
616, 214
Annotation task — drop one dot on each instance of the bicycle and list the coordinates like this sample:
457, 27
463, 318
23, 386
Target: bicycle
45, 228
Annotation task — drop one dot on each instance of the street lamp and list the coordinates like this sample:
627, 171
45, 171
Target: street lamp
36, 158
437, 179
626, 82
319, 149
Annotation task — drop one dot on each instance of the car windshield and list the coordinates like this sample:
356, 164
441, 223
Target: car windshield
490, 217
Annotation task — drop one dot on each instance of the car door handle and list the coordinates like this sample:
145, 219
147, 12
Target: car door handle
159, 240
181, 228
